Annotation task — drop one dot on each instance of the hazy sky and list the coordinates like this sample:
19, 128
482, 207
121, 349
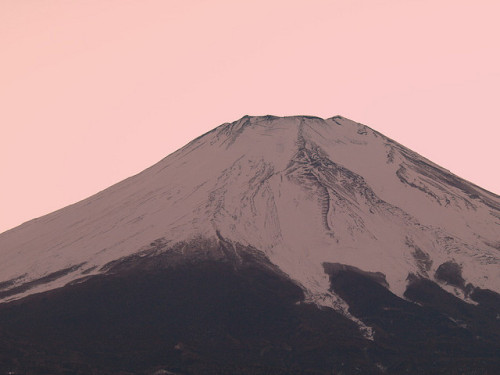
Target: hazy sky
94, 91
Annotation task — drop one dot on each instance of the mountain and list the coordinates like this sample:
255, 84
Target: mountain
266, 246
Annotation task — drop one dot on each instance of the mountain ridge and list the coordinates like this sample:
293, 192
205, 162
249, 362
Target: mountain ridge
301, 152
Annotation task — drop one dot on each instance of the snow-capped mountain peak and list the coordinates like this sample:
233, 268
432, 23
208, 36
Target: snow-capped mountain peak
302, 191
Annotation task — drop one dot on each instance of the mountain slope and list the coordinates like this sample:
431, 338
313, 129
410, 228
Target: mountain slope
268, 245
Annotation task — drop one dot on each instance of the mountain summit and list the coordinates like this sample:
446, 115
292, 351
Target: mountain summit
311, 218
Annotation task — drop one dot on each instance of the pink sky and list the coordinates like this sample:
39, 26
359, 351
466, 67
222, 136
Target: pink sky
94, 91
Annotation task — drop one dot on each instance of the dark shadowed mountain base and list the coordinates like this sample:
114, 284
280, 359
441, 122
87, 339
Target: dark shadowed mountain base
226, 317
